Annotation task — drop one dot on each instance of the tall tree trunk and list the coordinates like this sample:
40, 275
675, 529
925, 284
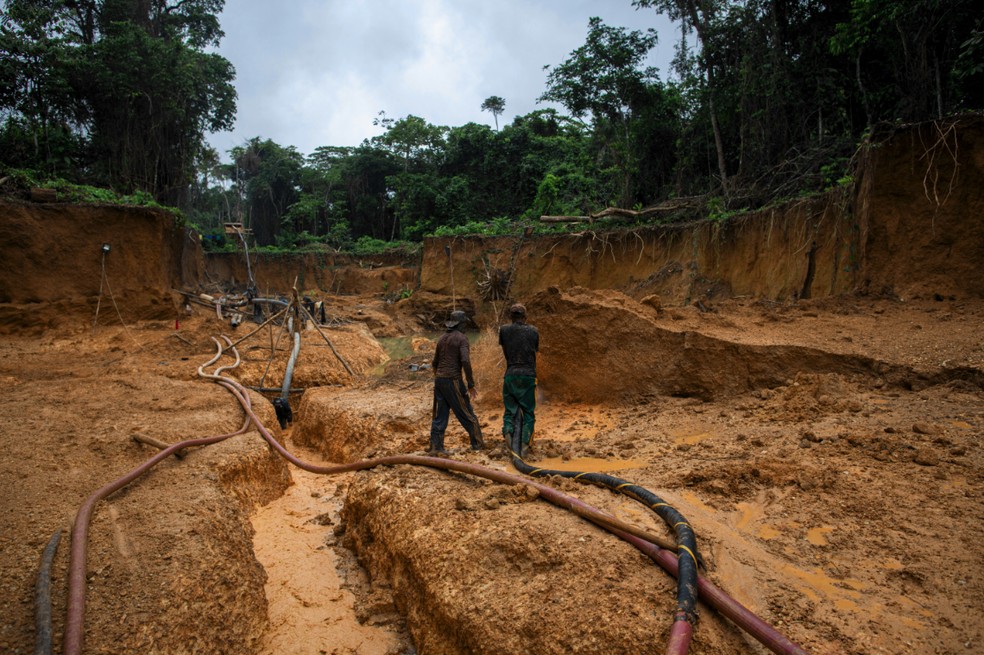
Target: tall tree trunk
700, 24
718, 141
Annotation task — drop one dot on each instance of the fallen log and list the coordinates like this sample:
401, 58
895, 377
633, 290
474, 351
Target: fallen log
665, 207
565, 219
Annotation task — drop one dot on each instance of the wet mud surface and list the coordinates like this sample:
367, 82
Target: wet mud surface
839, 501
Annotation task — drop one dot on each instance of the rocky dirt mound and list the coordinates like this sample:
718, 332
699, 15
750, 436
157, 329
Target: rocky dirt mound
479, 567
351, 424
317, 365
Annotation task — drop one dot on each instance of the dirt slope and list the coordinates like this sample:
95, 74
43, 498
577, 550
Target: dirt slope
176, 544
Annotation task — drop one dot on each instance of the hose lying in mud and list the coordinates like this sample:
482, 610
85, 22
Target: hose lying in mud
714, 596
42, 597
682, 628
74, 625
686, 548
708, 592
75, 613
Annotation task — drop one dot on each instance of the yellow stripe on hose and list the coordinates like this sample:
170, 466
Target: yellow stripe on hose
655, 505
681, 523
681, 547
580, 474
625, 484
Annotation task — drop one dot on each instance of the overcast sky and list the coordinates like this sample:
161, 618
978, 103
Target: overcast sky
312, 73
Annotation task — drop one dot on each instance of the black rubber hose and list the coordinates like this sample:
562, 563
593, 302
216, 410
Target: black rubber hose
687, 554
42, 597
271, 301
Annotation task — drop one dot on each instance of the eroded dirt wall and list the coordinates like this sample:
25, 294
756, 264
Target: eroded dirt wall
317, 273
626, 351
765, 254
51, 262
920, 203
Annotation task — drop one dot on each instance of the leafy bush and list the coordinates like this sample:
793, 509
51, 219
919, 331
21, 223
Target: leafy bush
26, 179
502, 226
366, 246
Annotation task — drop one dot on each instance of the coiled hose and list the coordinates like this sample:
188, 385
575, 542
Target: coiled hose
74, 625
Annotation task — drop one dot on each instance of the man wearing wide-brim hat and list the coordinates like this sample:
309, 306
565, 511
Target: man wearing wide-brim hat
451, 358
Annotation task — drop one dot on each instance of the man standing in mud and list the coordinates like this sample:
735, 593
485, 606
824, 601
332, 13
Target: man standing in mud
520, 343
451, 357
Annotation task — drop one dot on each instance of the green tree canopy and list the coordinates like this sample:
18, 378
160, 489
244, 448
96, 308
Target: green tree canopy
130, 81
495, 105
605, 79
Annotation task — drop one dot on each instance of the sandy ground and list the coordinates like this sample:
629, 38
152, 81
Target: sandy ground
841, 505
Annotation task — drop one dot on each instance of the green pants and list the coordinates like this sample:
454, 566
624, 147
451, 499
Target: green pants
519, 392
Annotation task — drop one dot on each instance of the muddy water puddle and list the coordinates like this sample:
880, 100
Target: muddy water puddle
412, 346
309, 610
818, 536
693, 434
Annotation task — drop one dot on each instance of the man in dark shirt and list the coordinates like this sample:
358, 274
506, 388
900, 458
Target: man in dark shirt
451, 357
520, 343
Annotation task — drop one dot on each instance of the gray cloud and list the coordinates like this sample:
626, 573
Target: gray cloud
316, 72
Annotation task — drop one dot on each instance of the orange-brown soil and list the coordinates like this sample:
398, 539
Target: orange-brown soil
822, 435
841, 501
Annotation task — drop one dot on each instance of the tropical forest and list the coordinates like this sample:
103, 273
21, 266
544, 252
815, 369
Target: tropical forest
113, 100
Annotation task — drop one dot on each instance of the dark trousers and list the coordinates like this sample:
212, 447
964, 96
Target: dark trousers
450, 395
519, 393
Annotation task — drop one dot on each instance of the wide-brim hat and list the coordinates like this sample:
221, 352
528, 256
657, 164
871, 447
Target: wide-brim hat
457, 318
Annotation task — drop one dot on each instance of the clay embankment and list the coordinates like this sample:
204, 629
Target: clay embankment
317, 274
910, 229
767, 254
52, 264
627, 351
